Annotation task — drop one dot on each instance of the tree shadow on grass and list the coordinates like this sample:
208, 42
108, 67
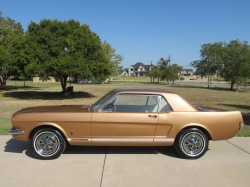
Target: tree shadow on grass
195, 86
202, 87
243, 107
44, 95
11, 87
246, 116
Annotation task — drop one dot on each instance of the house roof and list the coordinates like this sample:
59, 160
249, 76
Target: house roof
138, 64
147, 66
187, 70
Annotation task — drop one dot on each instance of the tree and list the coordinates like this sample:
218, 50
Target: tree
231, 61
164, 66
10, 34
63, 49
114, 58
211, 60
174, 72
155, 73
236, 63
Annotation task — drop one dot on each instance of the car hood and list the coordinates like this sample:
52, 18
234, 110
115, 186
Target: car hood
56, 109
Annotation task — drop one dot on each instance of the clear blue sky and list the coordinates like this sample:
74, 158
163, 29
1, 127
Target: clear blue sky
145, 30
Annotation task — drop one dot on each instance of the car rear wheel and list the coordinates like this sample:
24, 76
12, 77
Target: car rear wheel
191, 143
47, 143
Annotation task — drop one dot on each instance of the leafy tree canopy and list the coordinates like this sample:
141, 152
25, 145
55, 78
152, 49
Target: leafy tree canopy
63, 49
114, 58
230, 60
10, 33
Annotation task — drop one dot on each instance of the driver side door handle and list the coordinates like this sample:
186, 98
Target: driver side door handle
152, 116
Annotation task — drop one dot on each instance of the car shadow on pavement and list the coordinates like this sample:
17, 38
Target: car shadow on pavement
168, 151
17, 146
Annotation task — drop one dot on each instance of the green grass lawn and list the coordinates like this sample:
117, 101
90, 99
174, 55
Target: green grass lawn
17, 97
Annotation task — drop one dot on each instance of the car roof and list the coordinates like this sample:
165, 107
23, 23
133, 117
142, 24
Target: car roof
151, 90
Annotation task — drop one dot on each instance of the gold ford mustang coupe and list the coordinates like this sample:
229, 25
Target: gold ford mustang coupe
126, 117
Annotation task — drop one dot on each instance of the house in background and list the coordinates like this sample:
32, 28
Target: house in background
39, 79
138, 69
187, 72
123, 72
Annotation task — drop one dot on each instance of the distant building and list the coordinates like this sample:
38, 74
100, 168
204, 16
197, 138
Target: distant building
123, 72
138, 69
39, 79
187, 72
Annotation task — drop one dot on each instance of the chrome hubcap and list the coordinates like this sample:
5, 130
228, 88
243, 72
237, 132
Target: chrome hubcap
46, 144
193, 143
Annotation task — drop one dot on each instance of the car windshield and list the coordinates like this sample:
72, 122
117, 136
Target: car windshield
102, 100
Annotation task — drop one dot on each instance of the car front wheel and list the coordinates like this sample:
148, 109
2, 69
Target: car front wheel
191, 143
47, 143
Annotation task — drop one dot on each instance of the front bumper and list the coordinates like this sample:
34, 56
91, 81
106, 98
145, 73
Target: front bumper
14, 131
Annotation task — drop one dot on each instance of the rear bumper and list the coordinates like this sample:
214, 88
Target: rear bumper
241, 125
14, 131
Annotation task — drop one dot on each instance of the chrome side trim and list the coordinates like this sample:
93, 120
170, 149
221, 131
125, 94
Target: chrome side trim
12, 131
78, 139
122, 140
164, 140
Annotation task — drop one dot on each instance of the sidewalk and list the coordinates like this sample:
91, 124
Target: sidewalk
226, 163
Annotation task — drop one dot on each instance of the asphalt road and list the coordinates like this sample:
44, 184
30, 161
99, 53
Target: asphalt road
226, 163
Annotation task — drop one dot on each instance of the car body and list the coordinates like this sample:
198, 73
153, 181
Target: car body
126, 117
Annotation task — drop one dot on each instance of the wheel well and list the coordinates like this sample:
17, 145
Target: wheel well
46, 126
202, 129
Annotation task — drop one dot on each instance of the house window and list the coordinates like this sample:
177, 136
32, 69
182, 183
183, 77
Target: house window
131, 69
135, 69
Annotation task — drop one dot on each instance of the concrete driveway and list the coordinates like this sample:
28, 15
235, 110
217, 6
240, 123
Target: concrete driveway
226, 163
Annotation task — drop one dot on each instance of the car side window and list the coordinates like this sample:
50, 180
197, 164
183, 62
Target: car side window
164, 106
133, 103
110, 106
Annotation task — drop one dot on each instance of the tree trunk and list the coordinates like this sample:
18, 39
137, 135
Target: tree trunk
64, 83
232, 85
76, 79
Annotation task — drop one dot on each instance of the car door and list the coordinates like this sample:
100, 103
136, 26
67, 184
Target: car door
165, 123
127, 119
